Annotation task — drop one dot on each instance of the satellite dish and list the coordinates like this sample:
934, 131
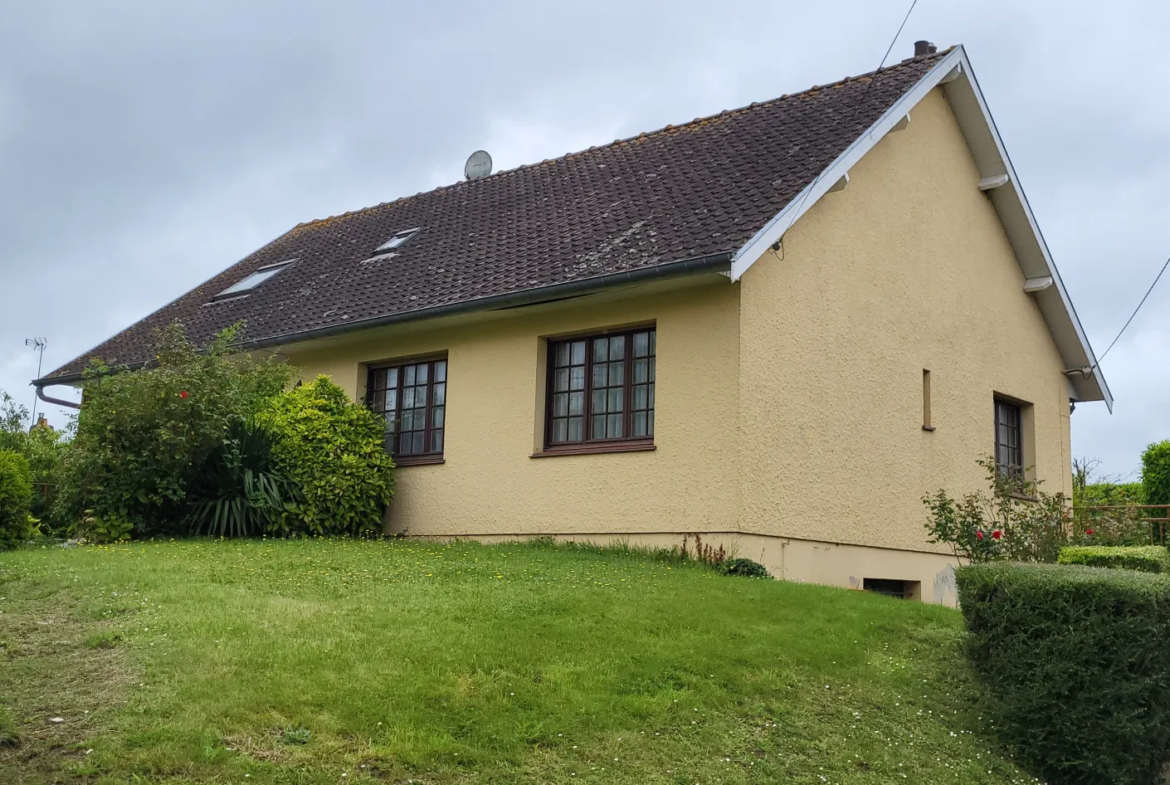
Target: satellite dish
478, 165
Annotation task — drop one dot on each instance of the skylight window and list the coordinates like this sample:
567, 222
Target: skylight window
397, 239
252, 281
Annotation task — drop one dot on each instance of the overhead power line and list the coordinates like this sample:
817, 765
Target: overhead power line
1135, 312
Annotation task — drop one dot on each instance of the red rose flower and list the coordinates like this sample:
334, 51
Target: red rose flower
979, 535
1089, 532
183, 395
995, 535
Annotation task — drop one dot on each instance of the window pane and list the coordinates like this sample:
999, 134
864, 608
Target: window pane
576, 403
439, 396
378, 402
419, 442
561, 405
650, 423
436, 441
408, 398
421, 375
577, 378
639, 424
392, 401
600, 349
641, 371
561, 380
407, 423
641, 397
404, 443
578, 352
641, 344
440, 370
598, 427
575, 429
437, 417
651, 369
409, 371
617, 348
653, 342
391, 377
651, 396
560, 430
391, 423
617, 374
598, 401
599, 375
562, 355
616, 396
614, 431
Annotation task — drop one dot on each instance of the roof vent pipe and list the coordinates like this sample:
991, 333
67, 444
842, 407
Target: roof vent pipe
924, 48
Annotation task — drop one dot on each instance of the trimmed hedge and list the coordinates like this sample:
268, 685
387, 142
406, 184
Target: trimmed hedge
15, 498
1076, 664
1146, 558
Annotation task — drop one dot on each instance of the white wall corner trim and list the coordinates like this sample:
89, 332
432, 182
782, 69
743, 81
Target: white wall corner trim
966, 99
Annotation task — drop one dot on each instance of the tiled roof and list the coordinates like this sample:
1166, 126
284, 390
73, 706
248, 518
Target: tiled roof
682, 192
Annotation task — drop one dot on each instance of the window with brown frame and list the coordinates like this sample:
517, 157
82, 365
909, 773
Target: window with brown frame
413, 399
1009, 439
601, 391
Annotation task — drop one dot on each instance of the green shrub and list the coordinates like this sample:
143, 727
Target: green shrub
1076, 666
16, 525
43, 447
1156, 474
1014, 520
332, 453
745, 567
144, 436
239, 492
1146, 558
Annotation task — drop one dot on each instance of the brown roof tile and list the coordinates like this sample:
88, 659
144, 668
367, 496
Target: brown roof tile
685, 191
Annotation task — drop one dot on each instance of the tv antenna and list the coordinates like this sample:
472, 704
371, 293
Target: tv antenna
38, 345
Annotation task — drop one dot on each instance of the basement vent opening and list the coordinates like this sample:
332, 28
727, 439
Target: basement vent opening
397, 240
242, 288
903, 590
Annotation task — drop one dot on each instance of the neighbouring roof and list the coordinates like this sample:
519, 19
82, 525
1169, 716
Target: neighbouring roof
682, 192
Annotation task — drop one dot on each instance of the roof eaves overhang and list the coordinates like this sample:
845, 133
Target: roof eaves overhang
716, 263
955, 75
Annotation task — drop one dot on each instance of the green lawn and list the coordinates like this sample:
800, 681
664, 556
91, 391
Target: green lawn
337, 661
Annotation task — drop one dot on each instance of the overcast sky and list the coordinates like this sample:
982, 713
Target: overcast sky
146, 146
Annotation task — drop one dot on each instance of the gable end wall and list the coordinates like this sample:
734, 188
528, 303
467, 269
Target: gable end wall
906, 269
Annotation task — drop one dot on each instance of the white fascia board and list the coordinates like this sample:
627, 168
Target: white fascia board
955, 74
800, 204
1075, 355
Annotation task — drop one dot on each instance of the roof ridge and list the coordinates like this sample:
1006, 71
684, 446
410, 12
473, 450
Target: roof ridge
625, 140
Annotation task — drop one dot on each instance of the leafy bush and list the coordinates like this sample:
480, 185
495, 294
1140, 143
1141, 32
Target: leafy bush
1076, 665
43, 447
1146, 558
110, 528
239, 492
143, 437
1156, 474
16, 525
332, 453
1015, 521
747, 567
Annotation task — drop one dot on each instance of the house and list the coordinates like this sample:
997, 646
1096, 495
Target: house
778, 327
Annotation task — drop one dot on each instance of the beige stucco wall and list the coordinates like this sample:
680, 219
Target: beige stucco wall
489, 484
906, 269
789, 405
